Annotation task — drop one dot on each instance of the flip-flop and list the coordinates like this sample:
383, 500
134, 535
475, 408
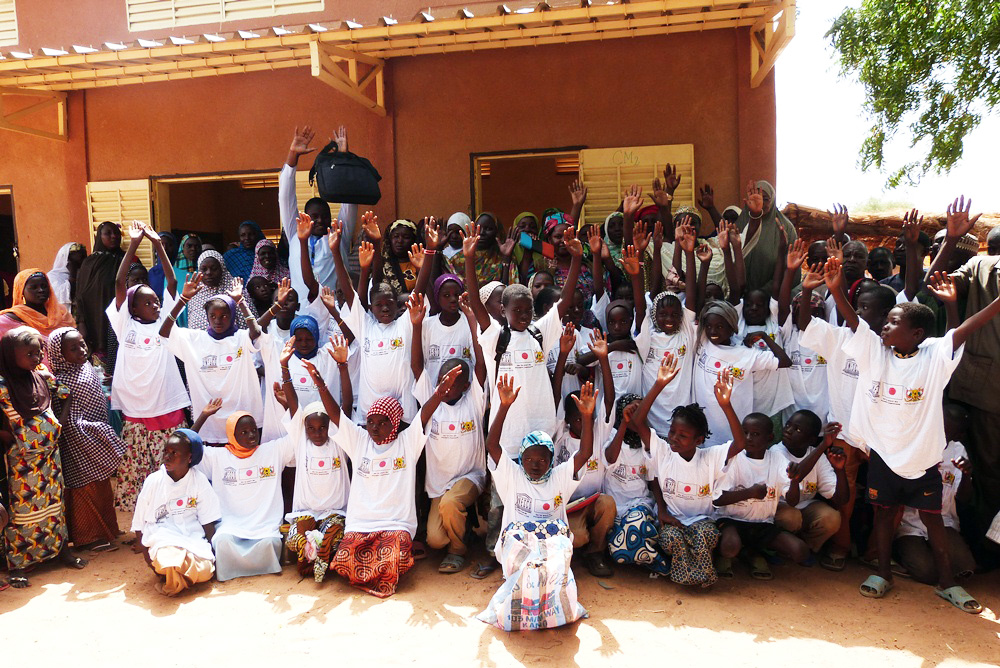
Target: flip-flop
75, 562
483, 569
759, 569
452, 563
103, 546
833, 562
875, 586
418, 550
724, 567
961, 599
19, 582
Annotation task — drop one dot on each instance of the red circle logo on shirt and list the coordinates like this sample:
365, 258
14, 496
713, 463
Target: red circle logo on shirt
451, 427
179, 502
321, 463
302, 380
249, 472
809, 360
229, 358
380, 344
621, 366
633, 469
545, 506
718, 365
892, 390
146, 341
524, 356
451, 351
687, 488
381, 464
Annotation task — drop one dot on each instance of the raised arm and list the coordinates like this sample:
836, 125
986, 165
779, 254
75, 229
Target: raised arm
135, 233
423, 259
575, 248
724, 395
470, 319
706, 200
943, 287
236, 294
794, 259
812, 278
287, 389
280, 299
694, 288
667, 372
567, 341
415, 305
470, 238
630, 260
835, 283
427, 410
578, 195
975, 322
784, 361
330, 404
303, 230
599, 347
586, 403
596, 245
959, 223
508, 395
339, 352
191, 287
913, 279
210, 409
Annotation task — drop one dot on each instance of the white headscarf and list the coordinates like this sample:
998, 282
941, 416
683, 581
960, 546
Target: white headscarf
59, 275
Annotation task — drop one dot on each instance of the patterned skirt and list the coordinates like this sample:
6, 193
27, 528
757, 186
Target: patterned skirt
633, 540
143, 456
690, 549
315, 543
90, 511
374, 562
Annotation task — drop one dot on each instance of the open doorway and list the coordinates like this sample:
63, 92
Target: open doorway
8, 246
509, 183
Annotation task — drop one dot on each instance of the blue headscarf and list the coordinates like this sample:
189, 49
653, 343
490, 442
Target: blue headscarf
233, 325
308, 323
197, 445
538, 438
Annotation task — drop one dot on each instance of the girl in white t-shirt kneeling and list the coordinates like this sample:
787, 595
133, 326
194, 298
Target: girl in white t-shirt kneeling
535, 547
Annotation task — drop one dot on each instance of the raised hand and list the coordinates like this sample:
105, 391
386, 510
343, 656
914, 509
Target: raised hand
573, 245
283, 291
724, 388
671, 179
338, 349
704, 253
752, 338
567, 340
340, 136
287, 351
640, 236
688, 239
506, 390
470, 238
236, 294
959, 222
329, 298
706, 197
831, 274
366, 254
735, 241
436, 239
415, 305
301, 140
658, 234
912, 220
943, 287
796, 254
578, 192
587, 401
314, 373
830, 433
303, 226
333, 236
723, 233
834, 249
507, 247
191, 285
668, 369
812, 277
416, 254
632, 201
754, 200
630, 260
212, 407
137, 229
594, 239
838, 219
465, 305
369, 224
660, 196
598, 344
279, 395
448, 382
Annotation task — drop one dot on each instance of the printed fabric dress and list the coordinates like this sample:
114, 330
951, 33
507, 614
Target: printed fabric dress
37, 530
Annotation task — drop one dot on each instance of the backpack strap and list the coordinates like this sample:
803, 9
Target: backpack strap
504, 340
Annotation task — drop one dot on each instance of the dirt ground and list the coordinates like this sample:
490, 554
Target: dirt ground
109, 613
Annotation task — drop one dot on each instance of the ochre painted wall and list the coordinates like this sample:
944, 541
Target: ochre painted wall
49, 180
630, 92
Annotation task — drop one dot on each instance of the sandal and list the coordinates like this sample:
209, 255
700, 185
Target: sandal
833, 562
597, 565
759, 569
961, 599
452, 563
102, 546
875, 587
724, 567
73, 561
418, 550
18, 581
483, 569
895, 567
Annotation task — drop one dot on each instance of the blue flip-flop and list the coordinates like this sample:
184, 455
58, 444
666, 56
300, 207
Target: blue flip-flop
960, 598
875, 586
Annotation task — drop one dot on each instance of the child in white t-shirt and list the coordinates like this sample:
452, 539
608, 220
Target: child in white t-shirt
759, 315
146, 386
175, 516
535, 547
911, 544
219, 360
898, 415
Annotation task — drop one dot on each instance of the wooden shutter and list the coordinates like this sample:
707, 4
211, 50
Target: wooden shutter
8, 23
608, 171
304, 192
122, 202
159, 14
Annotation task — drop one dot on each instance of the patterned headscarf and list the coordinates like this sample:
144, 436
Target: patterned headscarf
632, 438
544, 440
197, 317
197, 445
652, 209
725, 310
390, 408
275, 275
308, 323
182, 262
231, 444
552, 220
689, 211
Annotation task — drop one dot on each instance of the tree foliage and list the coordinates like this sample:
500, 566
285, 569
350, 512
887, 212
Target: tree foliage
931, 67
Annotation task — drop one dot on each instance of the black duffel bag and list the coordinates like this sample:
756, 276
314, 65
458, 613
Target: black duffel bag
344, 177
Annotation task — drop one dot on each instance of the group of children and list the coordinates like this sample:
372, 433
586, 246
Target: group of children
599, 404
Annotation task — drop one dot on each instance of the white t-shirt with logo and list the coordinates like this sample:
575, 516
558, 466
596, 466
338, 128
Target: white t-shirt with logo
590, 477
842, 370
525, 501
322, 484
441, 343
147, 382
653, 345
951, 477
688, 487
219, 368
625, 480
455, 447
249, 489
571, 383
821, 480
385, 360
897, 409
743, 472
771, 390
383, 490
170, 513
807, 375
524, 360
741, 362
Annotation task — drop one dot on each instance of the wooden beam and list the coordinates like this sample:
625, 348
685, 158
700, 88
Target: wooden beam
47, 99
325, 65
767, 40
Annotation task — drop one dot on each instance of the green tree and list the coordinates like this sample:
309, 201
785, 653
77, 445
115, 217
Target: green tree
930, 66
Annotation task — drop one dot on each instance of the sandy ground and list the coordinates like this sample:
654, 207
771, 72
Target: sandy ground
109, 613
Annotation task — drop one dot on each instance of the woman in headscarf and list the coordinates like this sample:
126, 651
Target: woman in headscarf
215, 281
491, 257
186, 265
559, 265
393, 265
239, 260
267, 264
35, 305
155, 275
88, 446
759, 224
62, 276
29, 435
95, 288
